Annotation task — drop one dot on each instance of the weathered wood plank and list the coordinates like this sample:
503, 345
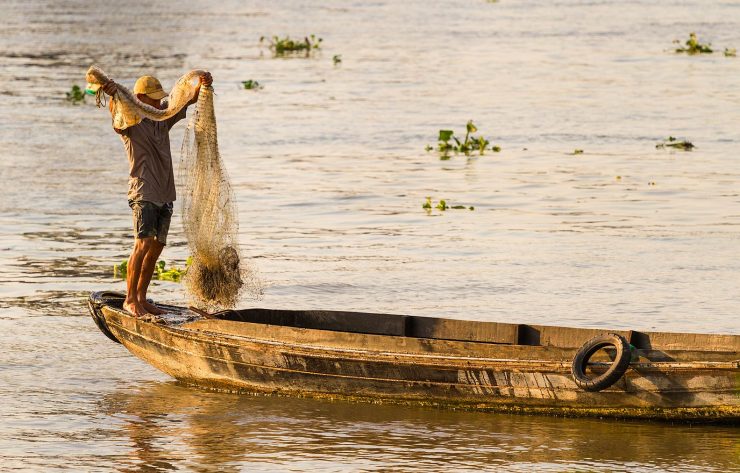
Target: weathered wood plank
463, 330
355, 322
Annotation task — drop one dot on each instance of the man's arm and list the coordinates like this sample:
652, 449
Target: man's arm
205, 79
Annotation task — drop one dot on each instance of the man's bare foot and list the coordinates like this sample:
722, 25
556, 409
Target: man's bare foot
151, 308
134, 308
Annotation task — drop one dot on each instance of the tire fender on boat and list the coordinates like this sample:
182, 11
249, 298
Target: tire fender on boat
615, 372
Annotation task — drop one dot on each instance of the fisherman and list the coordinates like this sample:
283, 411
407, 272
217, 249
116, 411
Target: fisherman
151, 188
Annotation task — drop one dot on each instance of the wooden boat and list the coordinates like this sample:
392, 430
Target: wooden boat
433, 361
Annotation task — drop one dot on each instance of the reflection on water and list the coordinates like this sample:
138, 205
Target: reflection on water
170, 425
330, 172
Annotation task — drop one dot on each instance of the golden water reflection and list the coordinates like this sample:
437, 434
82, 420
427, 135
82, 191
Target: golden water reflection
171, 426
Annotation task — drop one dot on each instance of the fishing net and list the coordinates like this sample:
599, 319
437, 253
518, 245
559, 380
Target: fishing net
128, 110
217, 274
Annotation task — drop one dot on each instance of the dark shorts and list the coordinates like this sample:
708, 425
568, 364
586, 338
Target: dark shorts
151, 220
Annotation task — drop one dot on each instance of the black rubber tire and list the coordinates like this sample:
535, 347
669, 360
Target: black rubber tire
615, 371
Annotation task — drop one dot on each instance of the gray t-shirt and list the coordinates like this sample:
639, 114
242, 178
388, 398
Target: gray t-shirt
147, 144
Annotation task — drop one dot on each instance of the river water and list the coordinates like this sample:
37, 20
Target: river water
330, 172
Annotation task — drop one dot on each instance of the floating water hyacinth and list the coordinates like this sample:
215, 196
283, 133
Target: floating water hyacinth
673, 142
693, 46
442, 205
283, 46
447, 141
76, 95
161, 272
251, 85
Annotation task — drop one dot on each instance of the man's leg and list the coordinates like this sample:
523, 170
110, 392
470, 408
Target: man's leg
161, 229
147, 271
133, 275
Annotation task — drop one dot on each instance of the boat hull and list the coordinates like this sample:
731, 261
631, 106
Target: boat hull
249, 357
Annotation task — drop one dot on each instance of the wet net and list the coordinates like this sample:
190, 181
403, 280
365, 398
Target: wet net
218, 273
128, 110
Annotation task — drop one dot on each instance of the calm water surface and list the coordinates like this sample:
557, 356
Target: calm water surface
330, 171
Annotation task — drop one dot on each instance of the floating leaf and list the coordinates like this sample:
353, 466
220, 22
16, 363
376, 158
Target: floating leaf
160, 271
673, 142
282, 46
119, 270
76, 95
469, 143
251, 84
445, 135
442, 205
693, 46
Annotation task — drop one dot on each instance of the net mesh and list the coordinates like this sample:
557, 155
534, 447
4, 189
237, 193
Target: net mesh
218, 273
128, 110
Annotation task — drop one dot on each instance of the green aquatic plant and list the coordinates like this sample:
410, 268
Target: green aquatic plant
442, 205
283, 46
673, 142
251, 84
443, 140
120, 270
730, 52
337, 59
161, 272
469, 143
693, 46
76, 95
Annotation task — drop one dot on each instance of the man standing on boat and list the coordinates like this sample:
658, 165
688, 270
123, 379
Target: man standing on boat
151, 188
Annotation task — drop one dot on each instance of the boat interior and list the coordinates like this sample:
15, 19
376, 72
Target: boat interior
458, 330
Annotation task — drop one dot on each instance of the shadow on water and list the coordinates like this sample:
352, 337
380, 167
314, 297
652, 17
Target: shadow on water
170, 425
